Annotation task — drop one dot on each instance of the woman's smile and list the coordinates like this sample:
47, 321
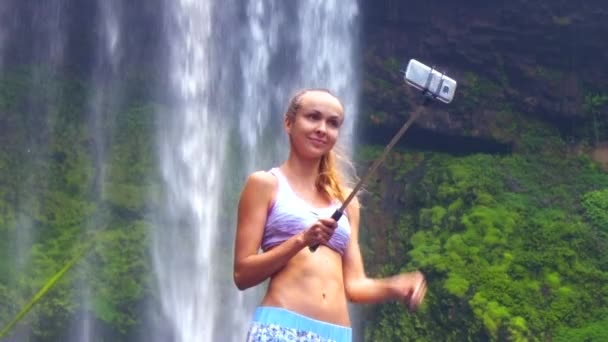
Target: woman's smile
318, 142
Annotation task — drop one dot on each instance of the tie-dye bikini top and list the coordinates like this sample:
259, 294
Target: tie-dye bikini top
289, 214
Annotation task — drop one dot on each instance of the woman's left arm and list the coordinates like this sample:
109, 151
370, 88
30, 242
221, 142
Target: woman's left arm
406, 287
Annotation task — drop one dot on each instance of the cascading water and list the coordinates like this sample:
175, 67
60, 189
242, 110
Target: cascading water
47, 45
330, 61
225, 70
102, 100
224, 122
192, 144
66, 58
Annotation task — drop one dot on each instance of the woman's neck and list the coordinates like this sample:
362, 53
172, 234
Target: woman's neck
304, 171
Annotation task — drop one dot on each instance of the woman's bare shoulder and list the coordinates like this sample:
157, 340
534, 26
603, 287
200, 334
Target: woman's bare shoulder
262, 178
261, 183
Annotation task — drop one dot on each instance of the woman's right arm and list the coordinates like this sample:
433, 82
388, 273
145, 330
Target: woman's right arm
251, 268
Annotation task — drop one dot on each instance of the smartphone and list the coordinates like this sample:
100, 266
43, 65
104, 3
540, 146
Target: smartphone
429, 80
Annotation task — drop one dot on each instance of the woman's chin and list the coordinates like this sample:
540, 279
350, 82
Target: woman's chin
313, 154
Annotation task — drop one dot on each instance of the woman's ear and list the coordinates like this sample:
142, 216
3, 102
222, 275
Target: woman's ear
287, 123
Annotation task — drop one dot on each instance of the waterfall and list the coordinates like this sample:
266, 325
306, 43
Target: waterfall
192, 147
44, 48
46, 44
328, 38
102, 100
220, 74
231, 70
4, 16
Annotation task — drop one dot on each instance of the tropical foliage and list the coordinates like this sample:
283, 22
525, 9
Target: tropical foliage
52, 199
514, 248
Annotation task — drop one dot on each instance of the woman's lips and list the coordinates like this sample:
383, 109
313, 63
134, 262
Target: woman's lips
317, 141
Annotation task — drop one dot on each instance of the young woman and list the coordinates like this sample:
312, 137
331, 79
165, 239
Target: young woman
289, 208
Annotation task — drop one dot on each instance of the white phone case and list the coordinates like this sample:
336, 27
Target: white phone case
425, 78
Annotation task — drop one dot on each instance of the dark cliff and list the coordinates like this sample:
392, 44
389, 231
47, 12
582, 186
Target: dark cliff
516, 62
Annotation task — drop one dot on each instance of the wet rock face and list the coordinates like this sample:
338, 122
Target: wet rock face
540, 59
600, 155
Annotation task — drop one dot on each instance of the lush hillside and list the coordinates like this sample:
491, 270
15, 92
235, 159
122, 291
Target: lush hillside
50, 193
514, 246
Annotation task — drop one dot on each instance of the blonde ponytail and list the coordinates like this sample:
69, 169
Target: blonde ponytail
329, 181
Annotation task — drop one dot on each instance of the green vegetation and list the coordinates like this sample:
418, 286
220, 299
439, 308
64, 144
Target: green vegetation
53, 199
477, 90
561, 21
46, 288
595, 106
514, 248
549, 74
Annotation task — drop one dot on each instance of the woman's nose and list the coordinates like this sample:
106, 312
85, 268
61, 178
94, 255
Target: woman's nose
321, 127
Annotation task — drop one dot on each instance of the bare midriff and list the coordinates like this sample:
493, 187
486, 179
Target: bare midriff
311, 284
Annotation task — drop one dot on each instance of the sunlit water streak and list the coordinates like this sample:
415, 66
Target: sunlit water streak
192, 144
230, 68
103, 99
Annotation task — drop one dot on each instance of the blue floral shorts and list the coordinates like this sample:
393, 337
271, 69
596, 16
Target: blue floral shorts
272, 324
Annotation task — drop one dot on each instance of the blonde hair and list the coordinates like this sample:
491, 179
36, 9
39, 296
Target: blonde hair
330, 180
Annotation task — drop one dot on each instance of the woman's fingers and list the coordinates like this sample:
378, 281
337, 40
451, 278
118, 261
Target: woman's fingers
322, 230
329, 223
325, 232
422, 293
322, 235
418, 294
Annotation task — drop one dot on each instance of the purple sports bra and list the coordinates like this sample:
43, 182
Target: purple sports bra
289, 214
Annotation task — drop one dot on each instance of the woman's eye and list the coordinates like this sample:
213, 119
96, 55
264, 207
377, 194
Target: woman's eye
334, 123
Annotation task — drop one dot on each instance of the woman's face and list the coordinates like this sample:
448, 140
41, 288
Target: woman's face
314, 129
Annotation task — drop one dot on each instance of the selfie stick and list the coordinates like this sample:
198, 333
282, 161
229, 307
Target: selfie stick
428, 96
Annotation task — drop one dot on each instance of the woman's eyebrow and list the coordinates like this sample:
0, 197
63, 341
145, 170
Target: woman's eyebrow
338, 117
331, 115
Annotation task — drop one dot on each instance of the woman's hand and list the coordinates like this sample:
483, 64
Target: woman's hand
410, 288
320, 232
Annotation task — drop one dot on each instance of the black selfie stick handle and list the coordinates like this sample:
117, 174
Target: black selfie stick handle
336, 216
